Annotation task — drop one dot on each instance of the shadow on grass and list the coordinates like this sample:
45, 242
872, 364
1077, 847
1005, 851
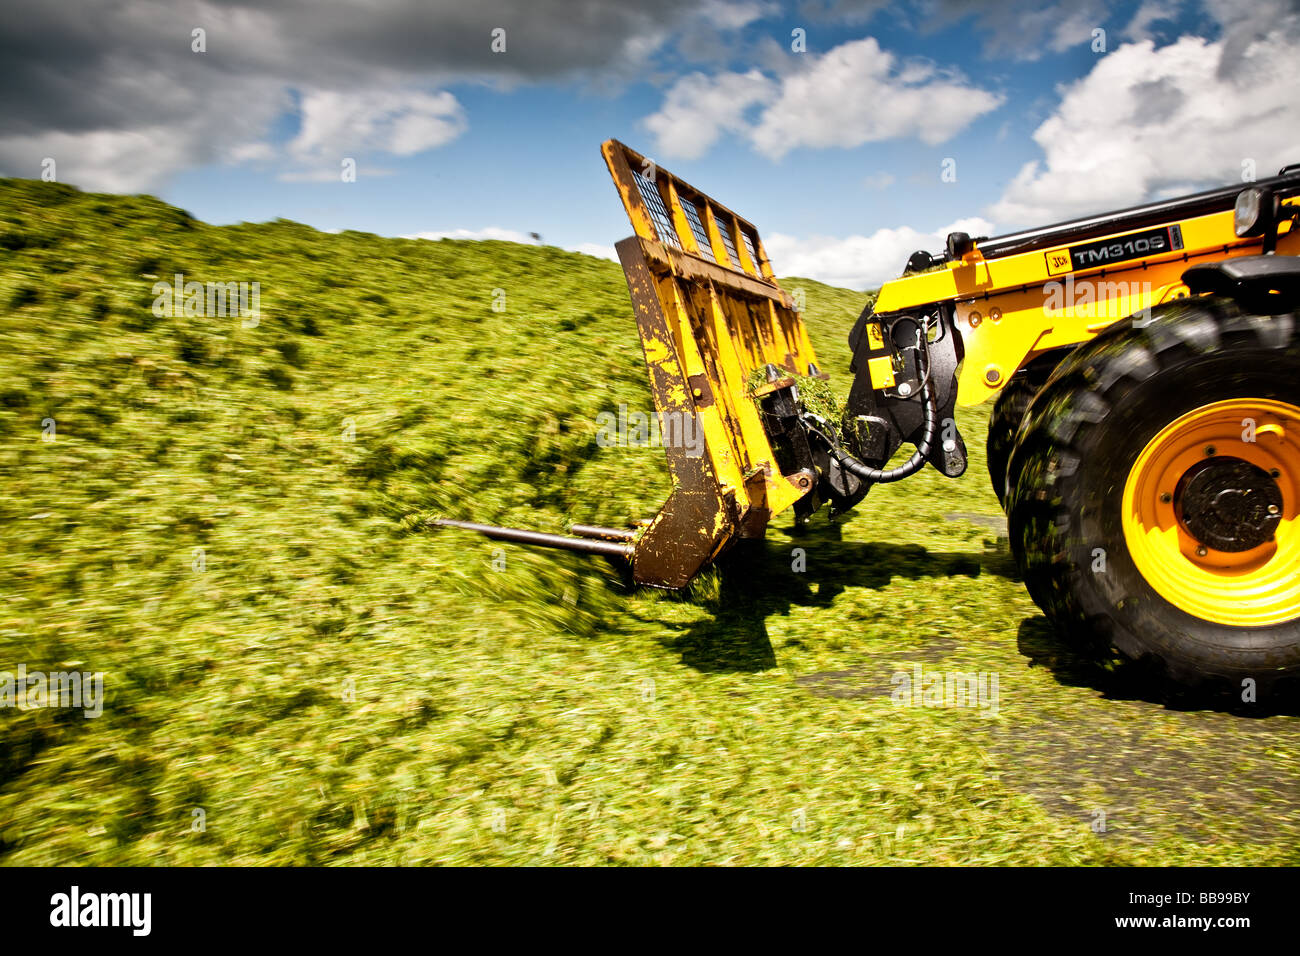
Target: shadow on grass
1137, 680
758, 579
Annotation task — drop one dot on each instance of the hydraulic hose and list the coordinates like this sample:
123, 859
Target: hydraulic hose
913, 464
918, 459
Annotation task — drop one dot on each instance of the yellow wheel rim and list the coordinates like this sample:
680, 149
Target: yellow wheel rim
1254, 587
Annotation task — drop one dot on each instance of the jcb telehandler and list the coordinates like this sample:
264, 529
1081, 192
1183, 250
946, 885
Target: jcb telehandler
1145, 441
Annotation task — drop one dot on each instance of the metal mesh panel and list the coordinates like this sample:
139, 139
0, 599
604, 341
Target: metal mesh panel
697, 227
729, 242
753, 249
658, 211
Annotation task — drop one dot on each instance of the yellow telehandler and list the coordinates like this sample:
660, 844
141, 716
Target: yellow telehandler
1145, 441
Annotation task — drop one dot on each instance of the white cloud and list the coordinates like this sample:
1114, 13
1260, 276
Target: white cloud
141, 155
98, 160
1151, 11
250, 153
855, 93
84, 81
860, 262
597, 249
401, 122
491, 232
858, 93
735, 14
699, 108
878, 181
1147, 120
230, 128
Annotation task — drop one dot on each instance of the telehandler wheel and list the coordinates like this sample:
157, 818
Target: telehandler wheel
1008, 412
1154, 494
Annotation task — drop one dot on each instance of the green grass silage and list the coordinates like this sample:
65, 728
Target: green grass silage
223, 518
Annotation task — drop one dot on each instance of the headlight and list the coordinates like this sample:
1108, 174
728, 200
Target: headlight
1252, 212
959, 244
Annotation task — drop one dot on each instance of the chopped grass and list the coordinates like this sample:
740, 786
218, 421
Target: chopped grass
817, 395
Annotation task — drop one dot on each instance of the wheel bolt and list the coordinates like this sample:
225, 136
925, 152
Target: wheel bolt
1200, 551
1166, 497
1272, 509
1274, 473
1209, 451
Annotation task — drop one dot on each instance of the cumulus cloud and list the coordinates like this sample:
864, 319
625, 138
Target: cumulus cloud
104, 160
737, 14
699, 108
860, 262
855, 93
1150, 12
118, 97
1150, 121
858, 93
122, 126
401, 122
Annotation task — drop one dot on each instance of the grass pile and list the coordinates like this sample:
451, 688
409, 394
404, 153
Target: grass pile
222, 517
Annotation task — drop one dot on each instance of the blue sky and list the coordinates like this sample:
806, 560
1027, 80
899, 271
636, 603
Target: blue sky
834, 151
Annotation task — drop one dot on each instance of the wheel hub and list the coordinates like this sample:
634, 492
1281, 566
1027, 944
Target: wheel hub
1228, 504
1211, 512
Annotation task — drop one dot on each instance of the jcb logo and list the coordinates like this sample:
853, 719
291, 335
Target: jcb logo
1057, 262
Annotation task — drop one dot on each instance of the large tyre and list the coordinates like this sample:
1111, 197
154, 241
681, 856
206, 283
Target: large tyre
1009, 413
1154, 494
1004, 423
